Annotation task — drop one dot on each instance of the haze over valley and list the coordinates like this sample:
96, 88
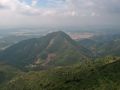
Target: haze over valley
59, 45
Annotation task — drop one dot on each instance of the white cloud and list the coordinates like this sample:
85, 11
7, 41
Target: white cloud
18, 7
34, 2
61, 12
58, 7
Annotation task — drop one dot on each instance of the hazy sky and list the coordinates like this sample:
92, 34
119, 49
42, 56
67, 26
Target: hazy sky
36, 13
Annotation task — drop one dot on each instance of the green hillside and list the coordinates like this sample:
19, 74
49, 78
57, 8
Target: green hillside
86, 76
8, 72
8, 41
56, 48
103, 45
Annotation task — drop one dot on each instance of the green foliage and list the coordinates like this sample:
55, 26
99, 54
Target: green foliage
85, 76
7, 72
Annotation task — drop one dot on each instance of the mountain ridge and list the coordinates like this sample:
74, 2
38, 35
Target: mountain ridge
53, 49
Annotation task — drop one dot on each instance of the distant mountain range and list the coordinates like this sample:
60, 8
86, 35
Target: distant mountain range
10, 40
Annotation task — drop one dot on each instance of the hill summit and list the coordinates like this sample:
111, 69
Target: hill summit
55, 48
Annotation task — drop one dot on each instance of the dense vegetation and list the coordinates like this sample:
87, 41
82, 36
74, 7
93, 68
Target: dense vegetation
90, 75
8, 72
